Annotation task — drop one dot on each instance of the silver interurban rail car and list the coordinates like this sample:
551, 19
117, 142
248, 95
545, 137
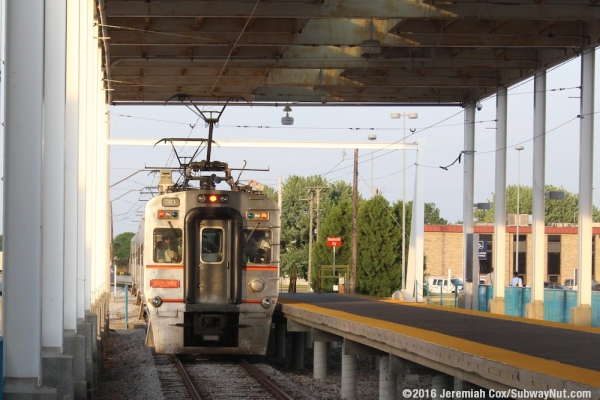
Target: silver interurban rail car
208, 262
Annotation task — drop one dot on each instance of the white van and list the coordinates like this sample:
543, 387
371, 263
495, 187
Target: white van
448, 286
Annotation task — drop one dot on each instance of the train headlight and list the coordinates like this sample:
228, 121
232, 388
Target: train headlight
224, 198
266, 302
156, 301
201, 198
256, 285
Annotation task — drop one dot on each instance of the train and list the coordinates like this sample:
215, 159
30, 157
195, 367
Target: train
207, 263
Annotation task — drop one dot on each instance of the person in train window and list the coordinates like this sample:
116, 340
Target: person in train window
516, 280
263, 254
160, 251
250, 248
171, 254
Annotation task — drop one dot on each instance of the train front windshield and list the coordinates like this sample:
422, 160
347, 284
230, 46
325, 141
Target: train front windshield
167, 245
257, 246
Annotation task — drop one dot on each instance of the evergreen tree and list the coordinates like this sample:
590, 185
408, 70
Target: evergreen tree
378, 270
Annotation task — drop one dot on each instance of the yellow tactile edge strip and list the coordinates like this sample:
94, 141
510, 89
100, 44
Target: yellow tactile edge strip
518, 360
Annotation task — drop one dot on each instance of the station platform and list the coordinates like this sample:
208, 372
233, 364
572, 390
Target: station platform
489, 350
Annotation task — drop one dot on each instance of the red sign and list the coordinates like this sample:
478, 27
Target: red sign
334, 241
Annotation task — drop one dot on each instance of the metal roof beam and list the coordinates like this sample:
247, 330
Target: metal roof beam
566, 10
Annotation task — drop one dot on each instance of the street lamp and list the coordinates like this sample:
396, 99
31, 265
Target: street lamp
518, 148
372, 138
411, 116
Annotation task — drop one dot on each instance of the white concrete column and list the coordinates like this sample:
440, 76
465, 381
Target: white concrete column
415, 251
93, 154
23, 157
82, 152
89, 150
71, 165
348, 374
539, 184
468, 194
586, 168
53, 185
499, 254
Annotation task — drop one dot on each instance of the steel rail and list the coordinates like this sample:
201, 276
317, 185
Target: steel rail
187, 381
262, 378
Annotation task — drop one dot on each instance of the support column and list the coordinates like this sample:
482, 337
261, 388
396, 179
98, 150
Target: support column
87, 156
53, 182
298, 350
414, 273
280, 339
388, 380
442, 383
22, 200
81, 151
535, 309
468, 195
71, 170
497, 304
348, 374
308, 340
320, 360
582, 313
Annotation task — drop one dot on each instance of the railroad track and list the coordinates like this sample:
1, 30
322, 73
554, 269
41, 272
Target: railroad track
213, 379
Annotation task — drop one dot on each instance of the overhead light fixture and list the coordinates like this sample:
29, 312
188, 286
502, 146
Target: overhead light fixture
320, 89
371, 45
287, 120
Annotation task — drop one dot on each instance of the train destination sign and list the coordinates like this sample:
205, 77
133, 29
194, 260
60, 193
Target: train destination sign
334, 241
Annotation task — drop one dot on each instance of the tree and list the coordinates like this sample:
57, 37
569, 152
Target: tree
432, 215
337, 223
121, 249
295, 220
379, 243
556, 211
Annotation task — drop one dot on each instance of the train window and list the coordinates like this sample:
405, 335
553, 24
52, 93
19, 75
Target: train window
257, 246
212, 239
167, 245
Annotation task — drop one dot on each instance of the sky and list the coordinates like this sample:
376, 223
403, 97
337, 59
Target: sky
438, 130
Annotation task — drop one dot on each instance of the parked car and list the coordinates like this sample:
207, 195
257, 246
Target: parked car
570, 284
554, 285
437, 282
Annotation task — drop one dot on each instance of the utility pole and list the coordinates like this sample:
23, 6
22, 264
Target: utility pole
354, 223
311, 193
310, 235
318, 190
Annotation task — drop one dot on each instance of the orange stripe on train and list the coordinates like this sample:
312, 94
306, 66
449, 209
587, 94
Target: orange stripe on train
165, 266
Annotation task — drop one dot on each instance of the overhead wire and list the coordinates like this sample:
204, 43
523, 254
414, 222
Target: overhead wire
235, 44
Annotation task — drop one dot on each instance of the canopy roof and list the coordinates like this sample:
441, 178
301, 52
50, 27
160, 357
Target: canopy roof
432, 52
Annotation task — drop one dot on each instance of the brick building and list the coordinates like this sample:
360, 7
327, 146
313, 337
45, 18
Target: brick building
444, 248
